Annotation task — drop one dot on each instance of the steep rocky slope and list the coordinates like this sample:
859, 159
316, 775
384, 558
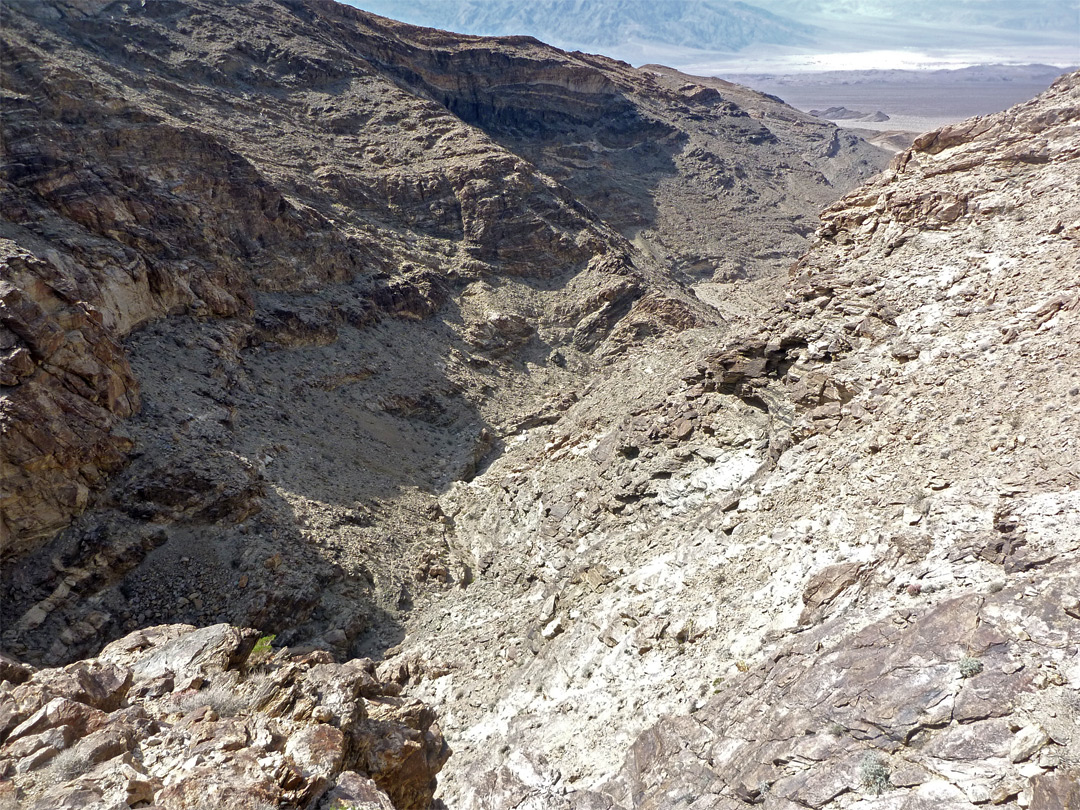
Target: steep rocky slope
475, 357
280, 260
841, 552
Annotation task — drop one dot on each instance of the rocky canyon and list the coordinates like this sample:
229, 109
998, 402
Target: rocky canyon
394, 418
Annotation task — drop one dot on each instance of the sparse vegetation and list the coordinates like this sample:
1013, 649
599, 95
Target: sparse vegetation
970, 666
263, 647
65, 766
219, 697
835, 729
261, 653
874, 774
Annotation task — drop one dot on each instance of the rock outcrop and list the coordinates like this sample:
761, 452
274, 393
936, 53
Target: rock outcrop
178, 717
839, 555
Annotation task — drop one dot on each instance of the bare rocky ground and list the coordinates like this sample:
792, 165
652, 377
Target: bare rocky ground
267, 301
840, 556
477, 358
175, 716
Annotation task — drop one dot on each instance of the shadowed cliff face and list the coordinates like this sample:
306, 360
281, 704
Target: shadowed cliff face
665, 158
526, 93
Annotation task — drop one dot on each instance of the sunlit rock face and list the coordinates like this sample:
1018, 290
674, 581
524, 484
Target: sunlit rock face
526, 375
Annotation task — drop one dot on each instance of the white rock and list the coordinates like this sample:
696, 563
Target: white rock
1072, 675
1027, 742
938, 790
553, 628
1028, 770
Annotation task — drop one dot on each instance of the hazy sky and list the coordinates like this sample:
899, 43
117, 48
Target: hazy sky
924, 32
857, 34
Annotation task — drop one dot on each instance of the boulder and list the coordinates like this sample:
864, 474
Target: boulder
355, 792
60, 712
317, 750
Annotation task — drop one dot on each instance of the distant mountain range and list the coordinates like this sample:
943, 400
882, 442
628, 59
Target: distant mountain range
1042, 15
709, 25
699, 35
1034, 74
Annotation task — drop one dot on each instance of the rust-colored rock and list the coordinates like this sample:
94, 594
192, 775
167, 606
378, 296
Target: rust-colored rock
233, 738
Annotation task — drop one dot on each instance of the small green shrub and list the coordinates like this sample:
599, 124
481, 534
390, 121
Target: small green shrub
261, 653
874, 773
264, 646
970, 666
